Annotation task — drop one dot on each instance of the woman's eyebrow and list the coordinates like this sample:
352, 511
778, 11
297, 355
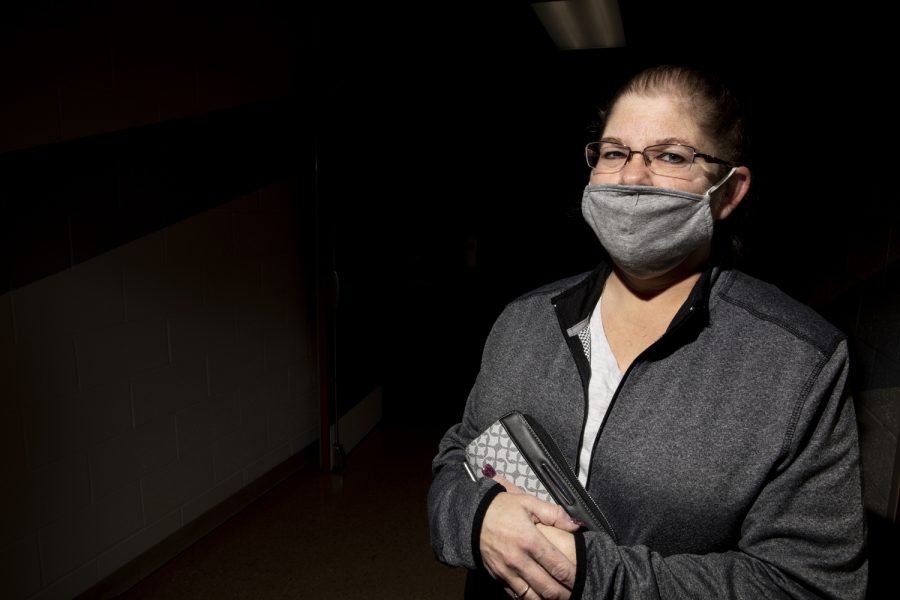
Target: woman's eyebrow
668, 140
675, 140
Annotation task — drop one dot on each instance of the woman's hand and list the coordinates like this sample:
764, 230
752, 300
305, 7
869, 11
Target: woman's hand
563, 540
516, 551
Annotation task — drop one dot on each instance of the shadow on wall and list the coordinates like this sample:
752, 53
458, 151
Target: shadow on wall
868, 315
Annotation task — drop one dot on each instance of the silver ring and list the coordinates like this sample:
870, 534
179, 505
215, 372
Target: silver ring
522, 595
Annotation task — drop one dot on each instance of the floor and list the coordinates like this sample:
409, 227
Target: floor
358, 534
362, 533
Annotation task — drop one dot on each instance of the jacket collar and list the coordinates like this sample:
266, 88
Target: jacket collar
574, 304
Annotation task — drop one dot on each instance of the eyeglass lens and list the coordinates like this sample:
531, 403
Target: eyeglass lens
672, 160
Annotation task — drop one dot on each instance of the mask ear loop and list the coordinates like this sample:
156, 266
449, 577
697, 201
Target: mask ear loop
718, 185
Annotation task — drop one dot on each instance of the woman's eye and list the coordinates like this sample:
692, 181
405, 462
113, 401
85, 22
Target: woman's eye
672, 158
612, 155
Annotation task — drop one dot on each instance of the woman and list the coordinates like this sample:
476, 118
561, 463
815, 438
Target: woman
704, 410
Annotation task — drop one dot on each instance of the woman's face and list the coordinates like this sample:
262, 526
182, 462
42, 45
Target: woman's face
641, 121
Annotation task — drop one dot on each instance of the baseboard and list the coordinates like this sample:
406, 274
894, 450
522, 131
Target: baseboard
131, 573
359, 421
354, 426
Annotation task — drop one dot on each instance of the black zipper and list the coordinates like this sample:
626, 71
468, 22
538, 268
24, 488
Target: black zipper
639, 358
561, 464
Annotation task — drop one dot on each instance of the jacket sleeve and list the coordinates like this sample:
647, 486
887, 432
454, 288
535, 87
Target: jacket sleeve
456, 504
804, 536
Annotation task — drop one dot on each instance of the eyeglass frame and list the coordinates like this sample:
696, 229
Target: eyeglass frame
648, 161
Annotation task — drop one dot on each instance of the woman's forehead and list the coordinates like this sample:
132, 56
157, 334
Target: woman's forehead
645, 119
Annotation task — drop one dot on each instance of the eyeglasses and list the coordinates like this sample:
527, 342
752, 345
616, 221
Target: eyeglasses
669, 160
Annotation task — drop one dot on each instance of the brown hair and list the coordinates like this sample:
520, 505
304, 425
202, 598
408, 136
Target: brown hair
715, 108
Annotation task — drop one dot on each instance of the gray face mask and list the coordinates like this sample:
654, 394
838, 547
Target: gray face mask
647, 230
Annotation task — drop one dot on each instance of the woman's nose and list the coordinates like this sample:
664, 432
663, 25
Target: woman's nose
635, 171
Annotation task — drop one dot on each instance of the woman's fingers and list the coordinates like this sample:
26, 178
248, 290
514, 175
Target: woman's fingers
515, 551
544, 512
551, 514
563, 540
507, 484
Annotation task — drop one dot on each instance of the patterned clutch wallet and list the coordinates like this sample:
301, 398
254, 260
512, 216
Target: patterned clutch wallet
517, 447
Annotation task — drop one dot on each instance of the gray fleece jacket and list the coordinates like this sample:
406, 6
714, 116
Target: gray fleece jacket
727, 464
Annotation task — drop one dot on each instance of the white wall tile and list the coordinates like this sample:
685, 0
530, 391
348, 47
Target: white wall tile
187, 286
278, 348
303, 441
7, 350
54, 426
20, 568
144, 376
40, 307
207, 238
66, 302
119, 555
280, 273
218, 494
234, 367
248, 203
96, 298
150, 292
145, 251
115, 353
267, 462
124, 459
266, 312
279, 382
113, 465
256, 398
285, 423
118, 516
217, 322
152, 287
6, 319
67, 543
45, 367
239, 448
232, 284
77, 538
61, 487
167, 389
304, 377
250, 324
71, 585
13, 456
167, 489
202, 424
192, 331
264, 234
270, 392
18, 510
108, 411
84, 297
63, 425
301, 325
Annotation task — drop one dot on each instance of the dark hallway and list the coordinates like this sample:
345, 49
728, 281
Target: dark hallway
364, 530
179, 181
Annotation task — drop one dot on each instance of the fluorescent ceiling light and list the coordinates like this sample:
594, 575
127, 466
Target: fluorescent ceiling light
582, 24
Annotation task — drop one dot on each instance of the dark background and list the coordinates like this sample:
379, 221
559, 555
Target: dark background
437, 155
451, 129
439, 148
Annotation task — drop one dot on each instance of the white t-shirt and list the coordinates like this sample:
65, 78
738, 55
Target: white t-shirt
605, 378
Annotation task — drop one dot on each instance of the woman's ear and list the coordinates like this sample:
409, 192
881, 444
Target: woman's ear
731, 194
